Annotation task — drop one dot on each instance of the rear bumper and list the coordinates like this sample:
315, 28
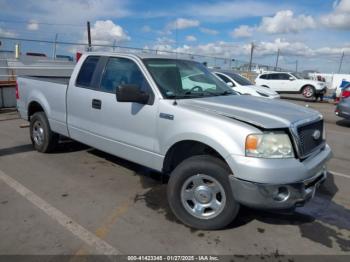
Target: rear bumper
276, 196
342, 111
343, 114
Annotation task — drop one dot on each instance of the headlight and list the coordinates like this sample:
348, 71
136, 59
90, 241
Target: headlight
269, 145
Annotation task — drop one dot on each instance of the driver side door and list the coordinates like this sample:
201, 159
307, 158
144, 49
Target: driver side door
126, 129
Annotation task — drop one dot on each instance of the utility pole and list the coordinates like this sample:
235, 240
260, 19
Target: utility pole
296, 66
278, 55
114, 42
54, 48
251, 56
341, 62
89, 36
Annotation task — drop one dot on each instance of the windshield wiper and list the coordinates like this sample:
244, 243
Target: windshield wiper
225, 93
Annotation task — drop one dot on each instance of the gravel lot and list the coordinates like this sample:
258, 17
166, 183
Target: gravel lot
79, 200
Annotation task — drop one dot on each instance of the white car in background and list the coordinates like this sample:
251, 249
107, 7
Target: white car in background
243, 86
283, 82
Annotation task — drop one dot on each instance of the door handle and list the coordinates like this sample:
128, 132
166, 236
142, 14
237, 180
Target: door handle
96, 103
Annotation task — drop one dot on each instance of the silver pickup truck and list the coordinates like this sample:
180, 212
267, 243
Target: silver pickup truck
220, 150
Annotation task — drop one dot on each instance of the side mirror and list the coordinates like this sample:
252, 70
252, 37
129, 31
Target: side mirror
291, 78
230, 84
131, 93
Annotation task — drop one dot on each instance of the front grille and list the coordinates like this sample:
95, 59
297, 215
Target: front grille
308, 137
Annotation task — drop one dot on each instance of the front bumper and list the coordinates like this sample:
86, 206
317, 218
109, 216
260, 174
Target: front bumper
277, 183
276, 196
321, 91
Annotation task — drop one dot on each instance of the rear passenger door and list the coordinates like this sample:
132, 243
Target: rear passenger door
82, 100
274, 82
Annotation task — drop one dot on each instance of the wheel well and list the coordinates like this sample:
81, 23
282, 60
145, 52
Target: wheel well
301, 89
33, 108
185, 149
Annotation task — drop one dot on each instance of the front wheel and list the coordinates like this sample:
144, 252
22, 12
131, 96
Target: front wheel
200, 195
43, 139
308, 91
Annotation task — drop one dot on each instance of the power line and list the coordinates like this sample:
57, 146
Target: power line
39, 23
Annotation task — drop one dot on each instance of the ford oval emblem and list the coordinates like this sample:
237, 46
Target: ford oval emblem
316, 134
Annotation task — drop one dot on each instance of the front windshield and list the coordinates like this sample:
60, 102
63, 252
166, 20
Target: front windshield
240, 79
185, 79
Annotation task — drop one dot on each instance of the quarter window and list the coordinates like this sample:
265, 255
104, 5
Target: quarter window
122, 71
87, 70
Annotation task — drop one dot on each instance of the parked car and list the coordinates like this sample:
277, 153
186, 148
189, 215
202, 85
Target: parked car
283, 82
219, 149
243, 86
342, 91
343, 108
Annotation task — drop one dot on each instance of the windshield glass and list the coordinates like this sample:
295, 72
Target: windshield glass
185, 79
240, 79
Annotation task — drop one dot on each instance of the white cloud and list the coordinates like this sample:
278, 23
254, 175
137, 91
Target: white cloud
339, 18
67, 12
183, 23
262, 49
285, 21
243, 31
105, 32
5, 33
208, 31
191, 38
33, 25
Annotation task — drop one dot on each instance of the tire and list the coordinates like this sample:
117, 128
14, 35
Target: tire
308, 91
206, 169
41, 135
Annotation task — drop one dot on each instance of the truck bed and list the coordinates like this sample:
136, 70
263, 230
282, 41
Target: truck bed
57, 80
49, 92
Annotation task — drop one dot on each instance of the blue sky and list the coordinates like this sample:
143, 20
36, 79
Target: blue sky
314, 32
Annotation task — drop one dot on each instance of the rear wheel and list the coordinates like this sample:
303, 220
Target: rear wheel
308, 91
200, 195
43, 139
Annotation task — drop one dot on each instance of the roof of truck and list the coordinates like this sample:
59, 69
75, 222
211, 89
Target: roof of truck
140, 55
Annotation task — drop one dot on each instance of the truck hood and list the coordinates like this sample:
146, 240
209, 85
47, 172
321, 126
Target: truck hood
261, 112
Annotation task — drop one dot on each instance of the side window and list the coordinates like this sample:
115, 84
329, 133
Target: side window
274, 77
283, 76
122, 71
87, 70
263, 77
225, 79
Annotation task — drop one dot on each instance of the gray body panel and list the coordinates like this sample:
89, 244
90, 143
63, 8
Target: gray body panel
343, 108
139, 133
